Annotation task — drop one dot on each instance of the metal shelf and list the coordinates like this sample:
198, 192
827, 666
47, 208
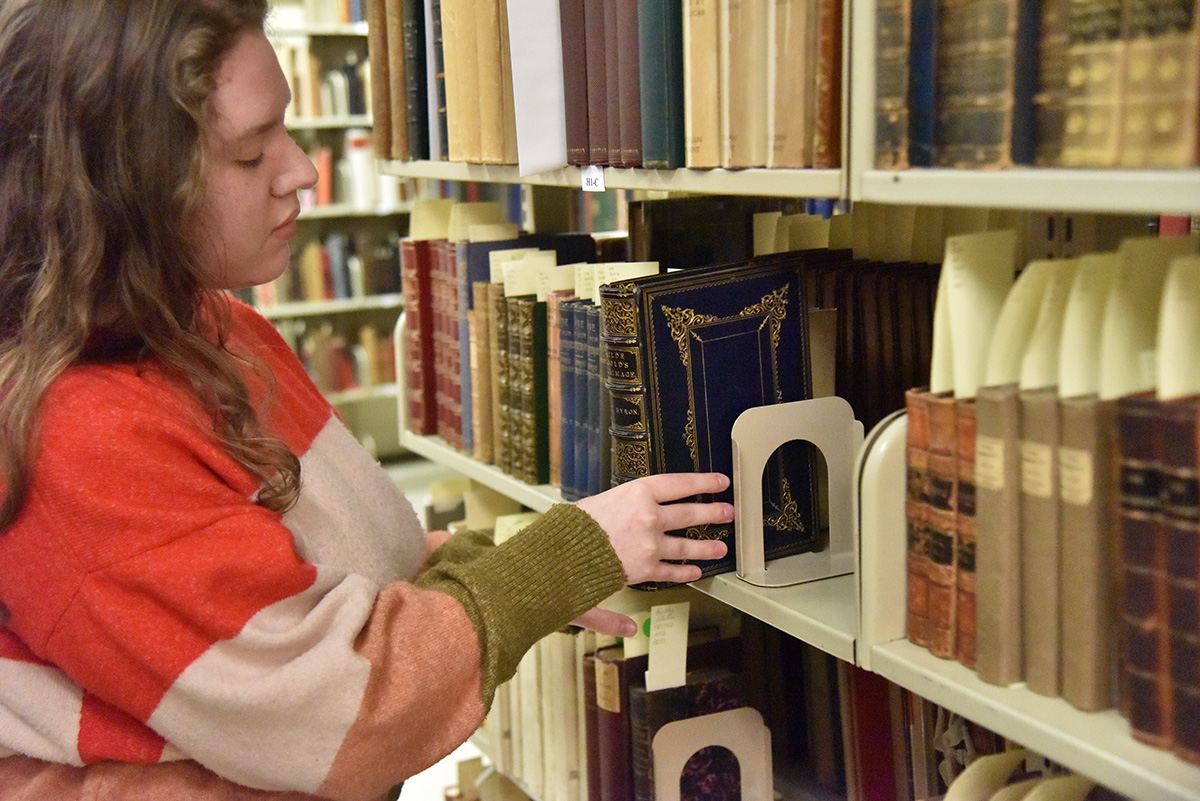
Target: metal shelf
319, 308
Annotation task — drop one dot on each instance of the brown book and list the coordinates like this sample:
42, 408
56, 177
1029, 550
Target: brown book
462, 80
893, 19
1089, 611
378, 57
1179, 421
964, 529
498, 324
827, 108
701, 84
554, 377
446, 354
629, 92
612, 79
1040, 602
575, 79
396, 82
614, 672
1144, 676
416, 265
597, 80
1049, 103
792, 61
490, 106
1160, 120
998, 651
930, 561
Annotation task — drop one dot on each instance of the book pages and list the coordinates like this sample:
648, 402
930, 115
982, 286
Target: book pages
1015, 323
1039, 366
1078, 367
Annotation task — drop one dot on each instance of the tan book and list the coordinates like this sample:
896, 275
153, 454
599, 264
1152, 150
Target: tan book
701, 84
479, 326
462, 80
490, 106
998, 651
744, 97
789, 82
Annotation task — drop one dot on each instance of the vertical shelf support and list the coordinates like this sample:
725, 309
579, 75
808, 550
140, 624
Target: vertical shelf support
827, 423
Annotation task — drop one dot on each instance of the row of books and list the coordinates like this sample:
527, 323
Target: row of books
348, 176
337, 363
1051, 538
336, 266
1063, 83
636, 83
321, 89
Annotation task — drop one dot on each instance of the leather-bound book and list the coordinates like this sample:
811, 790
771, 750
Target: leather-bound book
614, 673
916, 517
554, 383
940, 547
377, 55
964, 531
987, 76
892, 22
1144, 678
532, 461
571, 362
480, 328
612, 77
827, 116
437, 99
397, 80
416, 93
922, 82
629, 87
575, 79
501, 423
1049, 102
660, 71
446, 355
416, 264
1095, 66
707, 344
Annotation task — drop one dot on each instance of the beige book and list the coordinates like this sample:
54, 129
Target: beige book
980, 269
744, 90
490, 107
1088, 610
462, 80
378, 56
789, 83
701, 84
1179, 330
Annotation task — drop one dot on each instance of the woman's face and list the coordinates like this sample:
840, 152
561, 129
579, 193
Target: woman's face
252, 172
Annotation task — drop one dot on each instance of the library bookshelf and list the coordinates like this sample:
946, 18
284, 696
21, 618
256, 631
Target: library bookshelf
859, 618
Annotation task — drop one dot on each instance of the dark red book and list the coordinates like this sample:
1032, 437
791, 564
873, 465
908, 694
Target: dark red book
416, 266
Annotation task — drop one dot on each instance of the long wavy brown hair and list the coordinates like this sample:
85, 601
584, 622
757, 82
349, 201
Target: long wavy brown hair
102, 104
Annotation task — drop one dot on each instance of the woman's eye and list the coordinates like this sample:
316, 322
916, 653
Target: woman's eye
252, 163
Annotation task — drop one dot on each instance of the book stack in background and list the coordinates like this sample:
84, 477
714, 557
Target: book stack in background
636, 83
1075, 524
336, 267
1058, 83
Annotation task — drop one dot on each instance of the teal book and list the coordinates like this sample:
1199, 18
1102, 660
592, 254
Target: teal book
660, 44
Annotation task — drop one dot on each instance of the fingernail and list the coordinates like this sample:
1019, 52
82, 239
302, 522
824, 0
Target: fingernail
628, 628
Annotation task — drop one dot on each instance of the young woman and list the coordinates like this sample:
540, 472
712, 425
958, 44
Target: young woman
209, 590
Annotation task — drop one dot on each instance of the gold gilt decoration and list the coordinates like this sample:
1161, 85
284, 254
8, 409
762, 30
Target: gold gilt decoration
632, 458
620, 317
772, 308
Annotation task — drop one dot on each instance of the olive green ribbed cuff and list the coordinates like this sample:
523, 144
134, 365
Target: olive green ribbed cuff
462, 547
535, 583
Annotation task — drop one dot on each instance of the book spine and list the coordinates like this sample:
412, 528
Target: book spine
439, 62
416, 96
916, 458
1049, 104
626, 385
629, 83
377, 56
566, 336
964, 529
827, 139
922, 82
583, 402
597, 80
892, 20
1095, 58
481, 373
515, 441
554, 387
1145, 697
701, 82
1040, 599
397, 80
1089, 611
502, 425
575, 79
535, 380
1180, 498
660, 45
598, 478
418, 337
612, 77
940, 543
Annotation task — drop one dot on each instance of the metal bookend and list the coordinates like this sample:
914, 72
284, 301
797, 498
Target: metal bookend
829, 424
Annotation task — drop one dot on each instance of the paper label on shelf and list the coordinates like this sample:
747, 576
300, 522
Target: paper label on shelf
593, 178
989, 463
668, 646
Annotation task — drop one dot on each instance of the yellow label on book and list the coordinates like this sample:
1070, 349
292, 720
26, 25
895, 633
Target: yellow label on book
989, 463
1075, 476
608, 687
1037, 478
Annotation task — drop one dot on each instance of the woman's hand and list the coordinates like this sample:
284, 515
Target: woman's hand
636, 516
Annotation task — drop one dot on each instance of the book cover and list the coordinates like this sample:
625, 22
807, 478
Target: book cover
554, 381
790, 83
964, 532
744, 46
490, 106
614, 674
575, 79
568, 414
893, 19
416, 263
584, 403
674, 344
1095, 56
599, 406
480, 357
439, 139
1049, 102
922, 82
460, 65
827, 119
916, 517
397, 79
932, 600
629, 86
660, 73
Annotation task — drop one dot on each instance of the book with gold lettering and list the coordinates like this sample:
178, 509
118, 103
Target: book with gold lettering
686, 353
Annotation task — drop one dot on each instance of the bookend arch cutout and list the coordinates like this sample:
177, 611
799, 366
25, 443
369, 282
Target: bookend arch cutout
740, 730
827, 423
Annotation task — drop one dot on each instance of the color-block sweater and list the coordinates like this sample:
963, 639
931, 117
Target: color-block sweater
166, 637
